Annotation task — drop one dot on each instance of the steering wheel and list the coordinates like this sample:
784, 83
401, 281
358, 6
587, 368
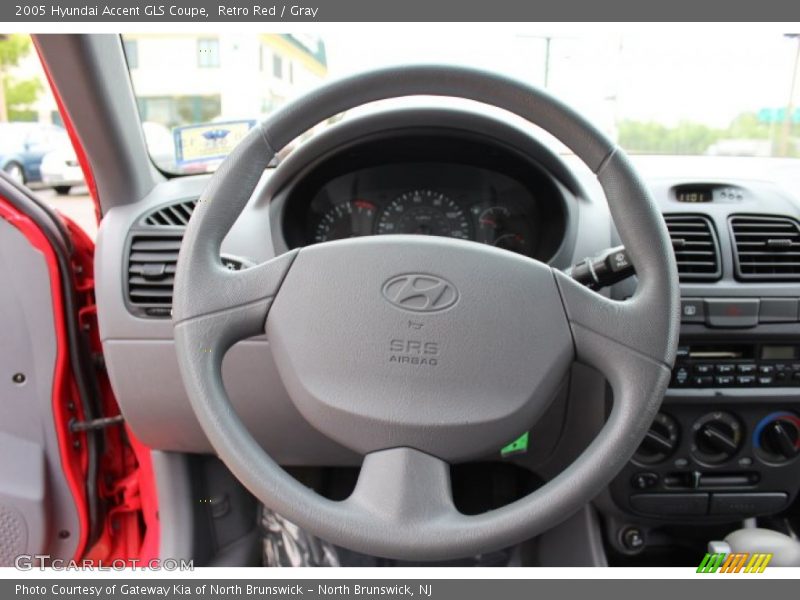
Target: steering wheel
418, 351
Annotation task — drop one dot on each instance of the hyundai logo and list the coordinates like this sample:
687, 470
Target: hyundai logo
420, 292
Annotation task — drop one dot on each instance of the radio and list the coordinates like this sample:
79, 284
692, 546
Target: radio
737, 365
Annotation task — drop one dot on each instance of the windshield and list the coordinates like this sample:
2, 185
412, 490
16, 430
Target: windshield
682, 93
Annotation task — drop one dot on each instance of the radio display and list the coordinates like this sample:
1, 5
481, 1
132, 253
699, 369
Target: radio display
694, 195
778, 352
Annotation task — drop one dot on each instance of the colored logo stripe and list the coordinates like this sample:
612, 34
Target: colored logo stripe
735, 563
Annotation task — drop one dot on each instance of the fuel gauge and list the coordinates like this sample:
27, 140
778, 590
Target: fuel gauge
490, 221
513, 242
498, 227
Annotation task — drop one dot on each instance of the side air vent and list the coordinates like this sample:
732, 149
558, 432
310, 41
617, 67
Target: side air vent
694, 241
152, 260
151, 271
766, 248
172, 215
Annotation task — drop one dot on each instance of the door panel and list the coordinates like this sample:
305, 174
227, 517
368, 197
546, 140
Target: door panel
38, 511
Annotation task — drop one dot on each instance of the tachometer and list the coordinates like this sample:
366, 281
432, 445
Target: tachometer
348, 219
424, 212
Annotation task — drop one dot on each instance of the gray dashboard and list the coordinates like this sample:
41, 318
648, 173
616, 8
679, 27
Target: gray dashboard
140, 354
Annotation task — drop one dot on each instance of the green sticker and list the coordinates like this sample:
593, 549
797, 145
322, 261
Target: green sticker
518, 446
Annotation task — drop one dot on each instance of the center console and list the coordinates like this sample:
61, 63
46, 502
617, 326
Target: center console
726, 444
727, 441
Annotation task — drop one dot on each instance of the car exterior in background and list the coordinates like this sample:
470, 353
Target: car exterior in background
24, 145
60, 169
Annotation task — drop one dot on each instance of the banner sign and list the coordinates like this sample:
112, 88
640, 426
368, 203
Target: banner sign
397, 588
266, 11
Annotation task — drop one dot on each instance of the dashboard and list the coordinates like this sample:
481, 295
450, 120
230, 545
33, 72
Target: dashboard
727, 442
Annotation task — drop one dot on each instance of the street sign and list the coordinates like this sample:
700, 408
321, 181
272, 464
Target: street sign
777, 115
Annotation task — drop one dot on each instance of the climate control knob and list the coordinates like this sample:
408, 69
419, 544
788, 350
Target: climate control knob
777, 437
660, 442
717, 437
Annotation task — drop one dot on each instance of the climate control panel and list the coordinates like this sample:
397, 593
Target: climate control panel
776, 438
660, 442
716, 437
697, 461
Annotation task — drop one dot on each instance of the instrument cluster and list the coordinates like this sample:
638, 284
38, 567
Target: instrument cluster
443, 199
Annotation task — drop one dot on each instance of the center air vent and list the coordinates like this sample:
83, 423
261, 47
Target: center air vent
151, 271
696, 247
766, 248
172, 215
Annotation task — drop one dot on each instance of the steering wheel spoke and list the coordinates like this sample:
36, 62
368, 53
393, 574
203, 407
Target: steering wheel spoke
403, 486
607, 336
234, 304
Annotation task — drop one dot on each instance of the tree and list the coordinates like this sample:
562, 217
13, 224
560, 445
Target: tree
20, 94
15, 94
655, 138
686, 137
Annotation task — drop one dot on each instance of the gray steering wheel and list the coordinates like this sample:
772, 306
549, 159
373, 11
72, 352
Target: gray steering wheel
418, 351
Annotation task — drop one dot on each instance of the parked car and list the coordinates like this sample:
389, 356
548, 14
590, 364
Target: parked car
60, 169
23, 146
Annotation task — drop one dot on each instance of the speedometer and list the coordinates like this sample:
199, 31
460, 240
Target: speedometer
424, 212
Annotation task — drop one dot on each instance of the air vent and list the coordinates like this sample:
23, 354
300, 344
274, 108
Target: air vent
151, 271
766, 248
152, 260
172, 215
696, 248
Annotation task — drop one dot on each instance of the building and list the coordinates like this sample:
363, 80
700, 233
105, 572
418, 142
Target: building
194, 78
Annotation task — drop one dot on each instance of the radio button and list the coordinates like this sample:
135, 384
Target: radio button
681, 376
703, 369
766, 369
746, 380
765, 381
702, 381
724, 380
725, 369
746, 369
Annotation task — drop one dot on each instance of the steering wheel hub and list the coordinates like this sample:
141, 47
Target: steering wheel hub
441, 345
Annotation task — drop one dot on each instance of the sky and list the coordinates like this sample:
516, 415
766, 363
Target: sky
705, 75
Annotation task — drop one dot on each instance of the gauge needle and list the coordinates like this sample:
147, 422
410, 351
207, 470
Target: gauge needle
365, 204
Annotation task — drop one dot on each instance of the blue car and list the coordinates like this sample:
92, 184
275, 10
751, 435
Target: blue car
23, 145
